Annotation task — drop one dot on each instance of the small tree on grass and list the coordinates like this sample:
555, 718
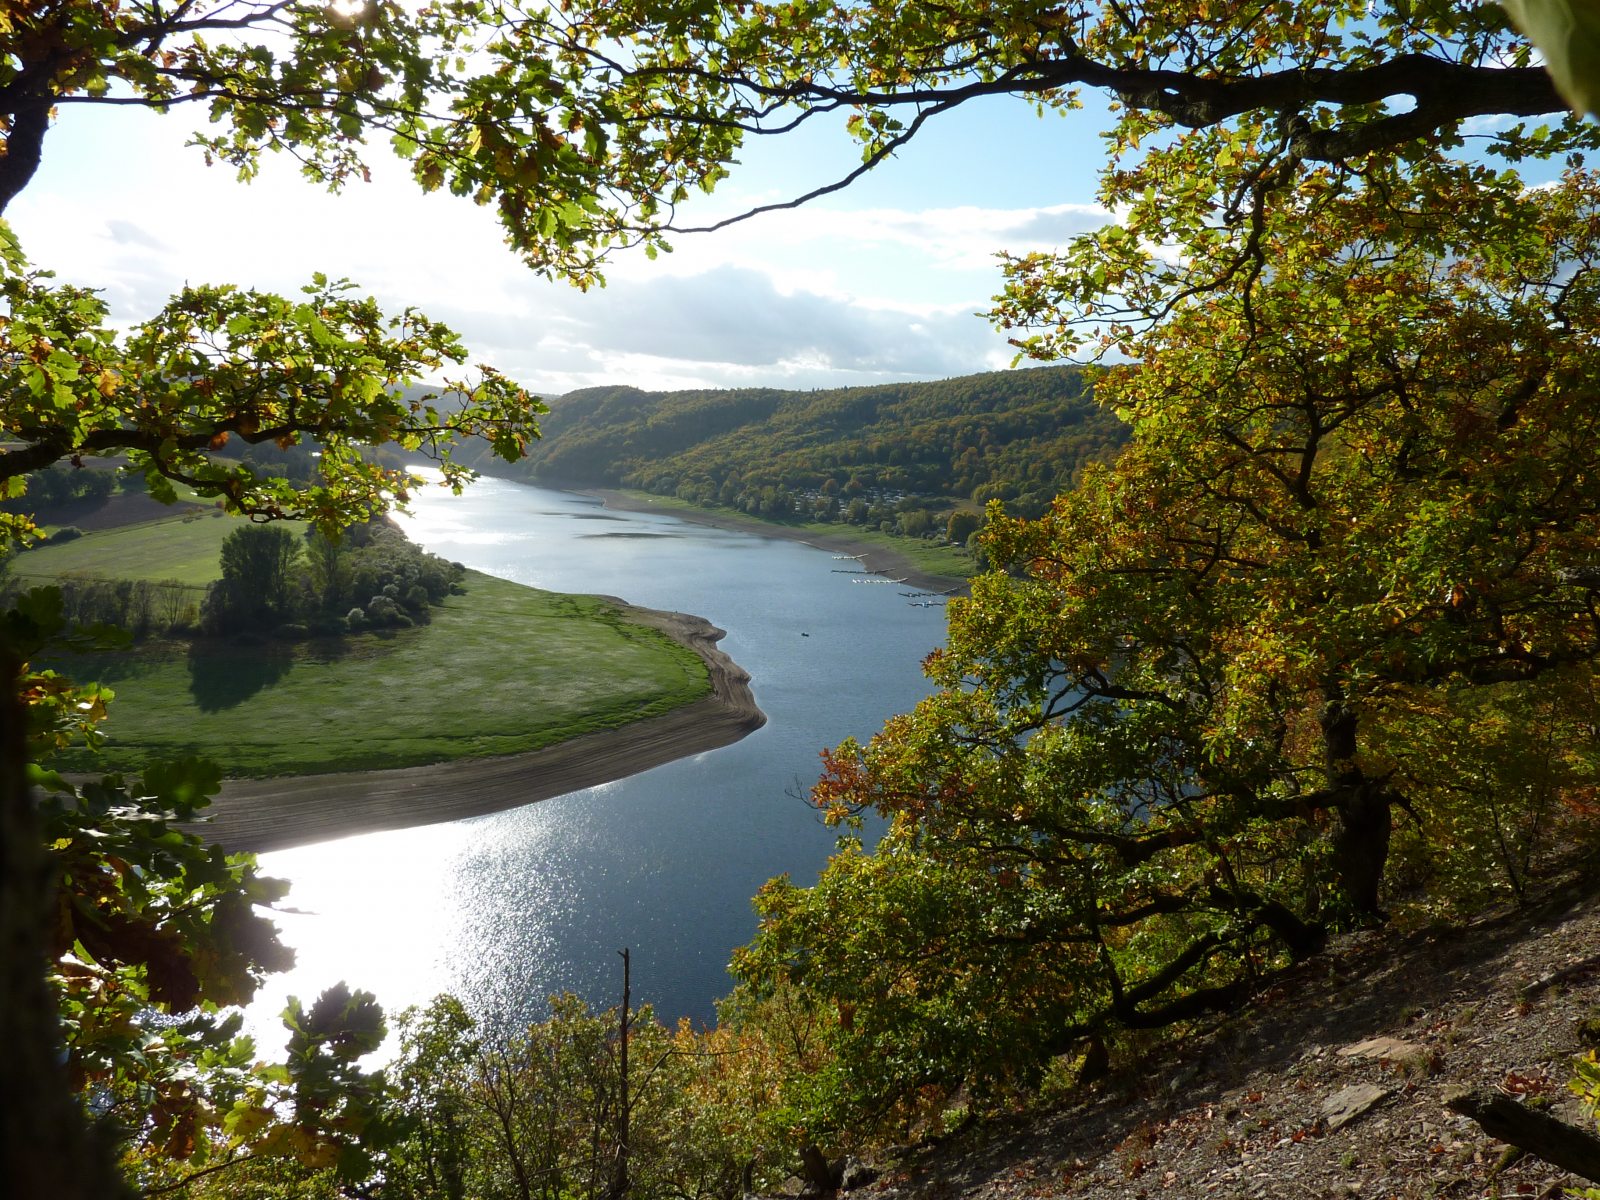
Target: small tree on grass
258, 562
330, 572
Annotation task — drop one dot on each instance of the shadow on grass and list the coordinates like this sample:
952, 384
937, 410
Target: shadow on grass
225, 678
96, 668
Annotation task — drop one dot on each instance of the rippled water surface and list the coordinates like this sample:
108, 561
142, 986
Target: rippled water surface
506, 909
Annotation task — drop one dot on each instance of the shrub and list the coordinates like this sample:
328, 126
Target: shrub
67, 533
962, 525
382, 610
378, 559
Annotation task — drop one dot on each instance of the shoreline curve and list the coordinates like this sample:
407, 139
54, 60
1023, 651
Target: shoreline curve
874, 558
259, 815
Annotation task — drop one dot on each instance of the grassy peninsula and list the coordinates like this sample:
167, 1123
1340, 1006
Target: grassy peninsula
498, 668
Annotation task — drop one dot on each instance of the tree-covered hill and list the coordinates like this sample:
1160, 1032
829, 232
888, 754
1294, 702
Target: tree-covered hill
1033, 430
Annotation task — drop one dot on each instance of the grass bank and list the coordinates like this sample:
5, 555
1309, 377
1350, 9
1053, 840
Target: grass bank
170, 548
934, 559
500, 670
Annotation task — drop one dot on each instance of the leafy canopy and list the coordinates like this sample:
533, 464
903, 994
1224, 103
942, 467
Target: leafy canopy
1353, 536
153, 936
588, 124
218, 363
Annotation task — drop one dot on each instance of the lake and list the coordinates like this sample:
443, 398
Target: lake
507, 909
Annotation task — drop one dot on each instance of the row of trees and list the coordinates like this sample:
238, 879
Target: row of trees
60, 485
143, 607
909, 516
371, 576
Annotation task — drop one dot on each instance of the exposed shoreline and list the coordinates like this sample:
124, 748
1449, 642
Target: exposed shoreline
873, 558
275, 814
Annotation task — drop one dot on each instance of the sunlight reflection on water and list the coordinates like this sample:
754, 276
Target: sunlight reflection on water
507, 909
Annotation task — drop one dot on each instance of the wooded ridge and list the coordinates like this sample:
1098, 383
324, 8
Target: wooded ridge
1032, 429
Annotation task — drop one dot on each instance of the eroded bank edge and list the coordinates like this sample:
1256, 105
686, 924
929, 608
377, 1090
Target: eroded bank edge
276, 814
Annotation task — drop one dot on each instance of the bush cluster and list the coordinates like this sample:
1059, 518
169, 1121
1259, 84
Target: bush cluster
371, 577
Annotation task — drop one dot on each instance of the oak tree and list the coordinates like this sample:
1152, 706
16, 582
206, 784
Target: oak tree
1170, 746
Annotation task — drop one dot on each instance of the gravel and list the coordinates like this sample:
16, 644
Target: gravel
1329, 1085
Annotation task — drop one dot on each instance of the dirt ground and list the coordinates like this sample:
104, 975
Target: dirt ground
1249, 1109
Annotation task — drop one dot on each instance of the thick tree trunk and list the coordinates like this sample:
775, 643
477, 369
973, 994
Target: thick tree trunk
1096, 1061
1361, 846
1565, 1146
821, 1174
1361, 841
47, 1152
24, 145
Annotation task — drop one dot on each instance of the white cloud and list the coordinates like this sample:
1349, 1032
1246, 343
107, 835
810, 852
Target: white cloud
128, 234
812, 297
944, 239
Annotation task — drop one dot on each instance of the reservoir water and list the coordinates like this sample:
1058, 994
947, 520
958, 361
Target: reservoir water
507, 909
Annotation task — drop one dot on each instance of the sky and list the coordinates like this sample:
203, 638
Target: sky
876, 284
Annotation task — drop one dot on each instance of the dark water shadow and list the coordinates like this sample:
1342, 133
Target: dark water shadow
222, 678
587, 536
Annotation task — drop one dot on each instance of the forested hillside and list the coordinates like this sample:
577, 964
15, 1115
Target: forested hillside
1033, 430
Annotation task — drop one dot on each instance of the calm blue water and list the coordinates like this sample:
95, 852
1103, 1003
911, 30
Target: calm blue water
507, 909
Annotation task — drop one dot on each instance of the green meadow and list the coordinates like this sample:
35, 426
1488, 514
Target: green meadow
171, 548
502, 669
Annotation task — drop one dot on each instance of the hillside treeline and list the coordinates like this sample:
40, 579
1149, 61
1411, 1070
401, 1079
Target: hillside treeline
1011, 432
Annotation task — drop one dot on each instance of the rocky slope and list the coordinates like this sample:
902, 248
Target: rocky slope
1333, 1084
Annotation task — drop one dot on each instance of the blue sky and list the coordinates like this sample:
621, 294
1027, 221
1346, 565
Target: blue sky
877, 283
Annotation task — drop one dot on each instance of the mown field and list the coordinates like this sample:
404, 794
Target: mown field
171, 548
502, 669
